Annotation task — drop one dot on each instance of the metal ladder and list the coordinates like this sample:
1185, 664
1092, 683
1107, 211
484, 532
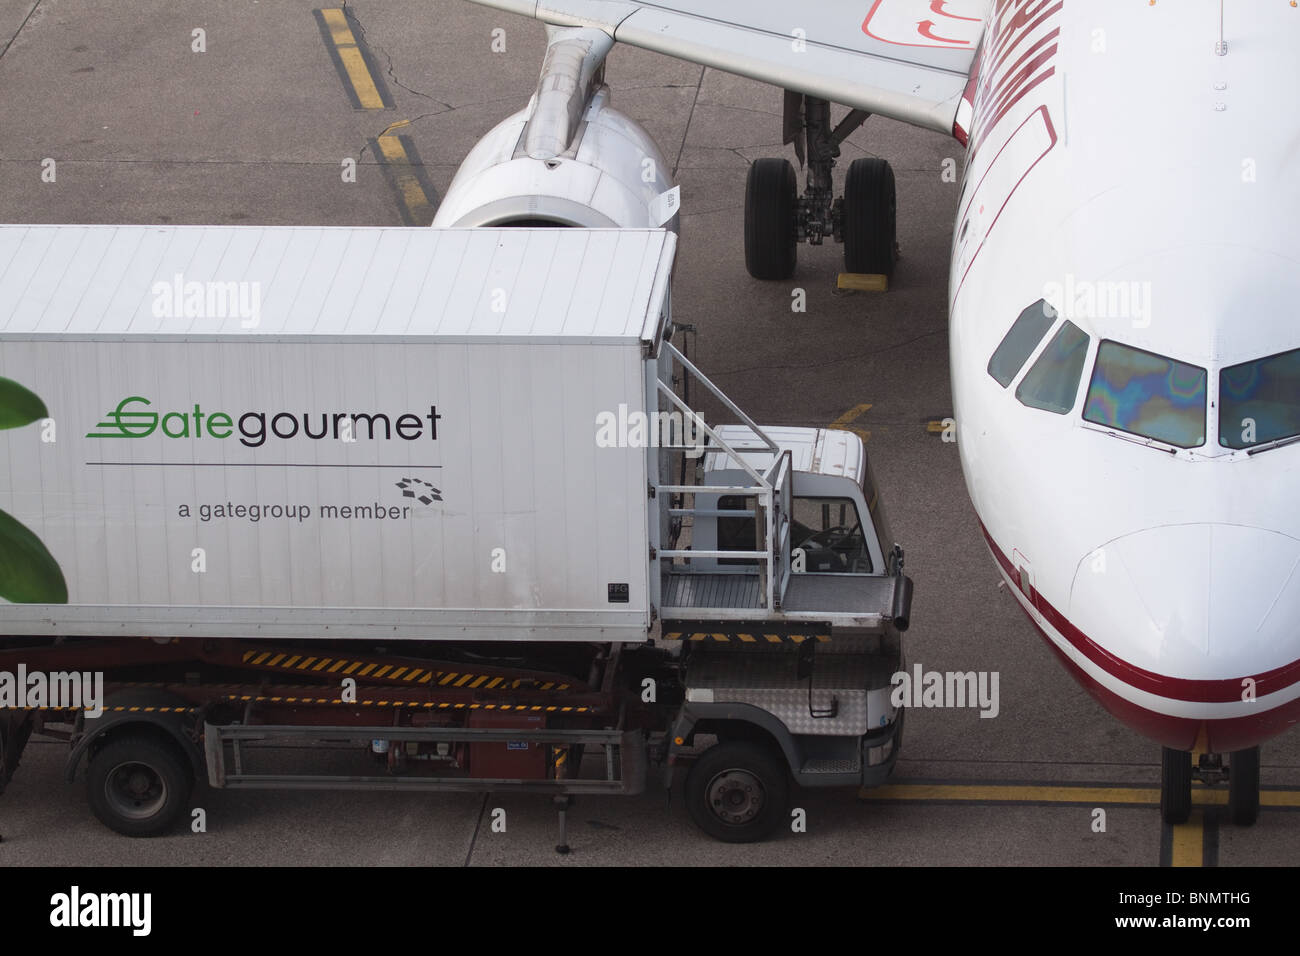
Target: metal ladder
771, 489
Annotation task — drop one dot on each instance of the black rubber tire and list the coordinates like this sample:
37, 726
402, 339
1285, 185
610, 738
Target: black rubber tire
1175, 785
147, 763
870, 218
771, 198
735, 766
1243, 786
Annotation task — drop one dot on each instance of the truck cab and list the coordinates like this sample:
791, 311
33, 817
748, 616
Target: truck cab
783, 527
838, 525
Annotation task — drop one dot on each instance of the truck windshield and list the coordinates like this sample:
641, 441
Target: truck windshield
1148, 395
829, 533
1260, 401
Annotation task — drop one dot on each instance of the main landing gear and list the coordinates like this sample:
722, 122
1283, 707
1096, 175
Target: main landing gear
777, 217
1241, 772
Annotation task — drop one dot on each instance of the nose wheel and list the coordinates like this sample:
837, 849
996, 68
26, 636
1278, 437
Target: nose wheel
1242, 773
1243, 786
1175, 785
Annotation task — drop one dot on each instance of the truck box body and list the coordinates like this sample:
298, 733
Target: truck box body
380, 433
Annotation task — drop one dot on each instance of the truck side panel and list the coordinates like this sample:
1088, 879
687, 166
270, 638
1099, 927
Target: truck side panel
313, 488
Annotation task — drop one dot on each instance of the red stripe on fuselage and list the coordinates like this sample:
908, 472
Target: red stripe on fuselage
1226, 691
1221, 736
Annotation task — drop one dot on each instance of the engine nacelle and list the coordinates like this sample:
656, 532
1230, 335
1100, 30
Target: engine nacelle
567, 159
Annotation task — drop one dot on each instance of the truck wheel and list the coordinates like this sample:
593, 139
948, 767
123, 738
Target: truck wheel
870, 218
1243, 786
138, 786
771, 197
1175, 785
738, 792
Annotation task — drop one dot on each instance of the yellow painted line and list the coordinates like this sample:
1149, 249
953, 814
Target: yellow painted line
352, 62
986, 793
852, 415
1013, 792
935, 427
1188, 847
862, 282
383, 670
410, 191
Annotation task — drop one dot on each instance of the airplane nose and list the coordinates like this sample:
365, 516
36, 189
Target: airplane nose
1193, 601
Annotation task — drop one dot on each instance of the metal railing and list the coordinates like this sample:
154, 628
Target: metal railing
771, 489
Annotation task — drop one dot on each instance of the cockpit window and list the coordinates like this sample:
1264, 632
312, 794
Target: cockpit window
1259, 401
1020, 342
1053, 381
1148, 395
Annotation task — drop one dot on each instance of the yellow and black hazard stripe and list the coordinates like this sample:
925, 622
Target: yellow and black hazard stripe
116, 709
420, 704
743, 637
378, 671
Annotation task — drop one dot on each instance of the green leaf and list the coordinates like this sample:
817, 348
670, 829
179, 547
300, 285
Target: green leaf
28, 572
18, 406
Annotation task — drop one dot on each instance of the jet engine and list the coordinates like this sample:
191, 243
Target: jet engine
568, 158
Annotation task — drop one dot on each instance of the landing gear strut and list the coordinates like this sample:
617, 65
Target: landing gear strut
776, 217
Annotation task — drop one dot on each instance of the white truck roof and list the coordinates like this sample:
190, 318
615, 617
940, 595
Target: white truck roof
816, 451
530, 285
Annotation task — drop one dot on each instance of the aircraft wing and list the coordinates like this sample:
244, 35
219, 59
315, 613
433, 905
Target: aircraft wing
905, 59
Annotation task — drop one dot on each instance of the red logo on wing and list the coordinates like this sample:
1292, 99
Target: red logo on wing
954, 24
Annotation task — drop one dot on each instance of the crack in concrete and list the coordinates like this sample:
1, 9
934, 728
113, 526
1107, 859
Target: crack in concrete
391, 72
26, 19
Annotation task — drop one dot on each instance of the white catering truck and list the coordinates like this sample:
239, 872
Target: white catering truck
451, 508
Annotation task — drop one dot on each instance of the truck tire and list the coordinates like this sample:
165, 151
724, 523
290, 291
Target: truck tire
738, 792
870, 218
138, 785
771, 197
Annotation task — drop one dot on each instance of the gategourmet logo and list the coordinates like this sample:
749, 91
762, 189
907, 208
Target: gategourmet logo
133, 419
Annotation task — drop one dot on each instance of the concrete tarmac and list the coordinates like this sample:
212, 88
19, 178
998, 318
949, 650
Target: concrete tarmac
257, 129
